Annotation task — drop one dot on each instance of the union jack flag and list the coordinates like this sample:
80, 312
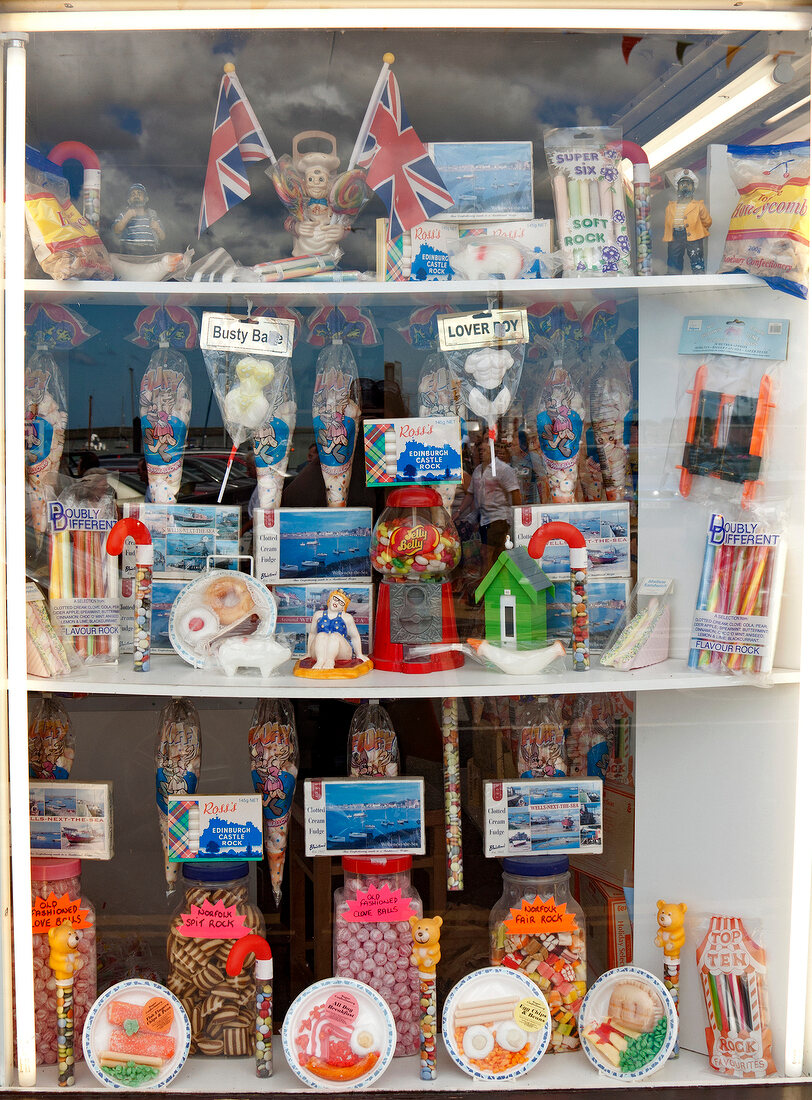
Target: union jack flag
399, 168
236, 140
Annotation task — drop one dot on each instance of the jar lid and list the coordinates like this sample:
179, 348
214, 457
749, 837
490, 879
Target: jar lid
414, 496
376, 865
535, 866
201, 871
45, 868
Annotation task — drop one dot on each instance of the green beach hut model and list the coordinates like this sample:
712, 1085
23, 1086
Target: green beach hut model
515, 593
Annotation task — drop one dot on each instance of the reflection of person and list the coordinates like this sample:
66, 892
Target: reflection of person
529, 467
333, 635
138, 229
687, 222
88, 460
312, 456
494, 495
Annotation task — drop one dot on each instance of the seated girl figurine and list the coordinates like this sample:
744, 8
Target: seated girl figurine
333, 642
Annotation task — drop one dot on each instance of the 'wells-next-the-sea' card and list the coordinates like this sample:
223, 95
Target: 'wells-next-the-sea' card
415, 451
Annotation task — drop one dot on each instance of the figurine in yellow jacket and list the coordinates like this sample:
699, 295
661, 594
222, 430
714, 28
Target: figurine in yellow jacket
687, 222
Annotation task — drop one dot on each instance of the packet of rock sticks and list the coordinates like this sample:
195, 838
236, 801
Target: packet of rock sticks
769, 226
485, 352
83, 576
728, 388
590, 205
732, 968
739, 594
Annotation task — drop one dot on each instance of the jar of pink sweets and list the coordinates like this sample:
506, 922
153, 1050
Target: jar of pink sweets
60, 878
537, 927
372, 937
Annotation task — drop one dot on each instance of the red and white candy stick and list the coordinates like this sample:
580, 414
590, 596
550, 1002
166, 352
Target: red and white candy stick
263, 976
144, 558
579, 562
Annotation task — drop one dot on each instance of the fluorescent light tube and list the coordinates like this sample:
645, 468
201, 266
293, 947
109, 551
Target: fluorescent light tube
729, 101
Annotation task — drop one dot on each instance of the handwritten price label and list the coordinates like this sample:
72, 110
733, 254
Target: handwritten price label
540, 916
213, 922
51, 911
373, 906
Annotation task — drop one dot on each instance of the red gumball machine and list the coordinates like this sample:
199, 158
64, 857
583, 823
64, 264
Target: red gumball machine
415, 547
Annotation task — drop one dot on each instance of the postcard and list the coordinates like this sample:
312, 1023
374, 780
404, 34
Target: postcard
296, 604
319, 544
605, 528
488, 180
543, 817
364, 817
71, 819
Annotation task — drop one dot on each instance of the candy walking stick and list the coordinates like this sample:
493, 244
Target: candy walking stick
671, 937
274, 766
263, 976
177, 766
578, 570
144, 560
64, 961
425, 956
336, 414
451, 785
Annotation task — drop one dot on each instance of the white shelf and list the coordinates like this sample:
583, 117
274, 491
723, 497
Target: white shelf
169, 675
565, 1072
100, 291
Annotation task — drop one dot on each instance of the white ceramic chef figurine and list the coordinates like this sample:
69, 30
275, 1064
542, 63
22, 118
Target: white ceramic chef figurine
311, 188
333, 635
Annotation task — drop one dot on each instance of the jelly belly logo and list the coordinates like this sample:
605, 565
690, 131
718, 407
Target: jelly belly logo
539, 917
421, 539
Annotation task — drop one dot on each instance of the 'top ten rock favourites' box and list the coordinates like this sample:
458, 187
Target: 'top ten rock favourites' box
218, 827
296, 604
312, 544
71, 819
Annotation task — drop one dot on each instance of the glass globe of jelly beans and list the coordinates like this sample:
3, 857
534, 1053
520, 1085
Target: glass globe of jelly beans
415, 538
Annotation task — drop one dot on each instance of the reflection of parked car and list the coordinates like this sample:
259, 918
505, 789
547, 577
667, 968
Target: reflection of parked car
203, 473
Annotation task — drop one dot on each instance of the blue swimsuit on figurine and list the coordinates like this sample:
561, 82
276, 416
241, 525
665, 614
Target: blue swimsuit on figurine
327, 625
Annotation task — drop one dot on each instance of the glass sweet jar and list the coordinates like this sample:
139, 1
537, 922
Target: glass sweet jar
415, 538
213, 914
372, 937
62, 879
538, 928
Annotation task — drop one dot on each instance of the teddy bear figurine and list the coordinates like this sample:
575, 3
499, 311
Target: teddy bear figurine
426, 936
64, 960
670, 932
